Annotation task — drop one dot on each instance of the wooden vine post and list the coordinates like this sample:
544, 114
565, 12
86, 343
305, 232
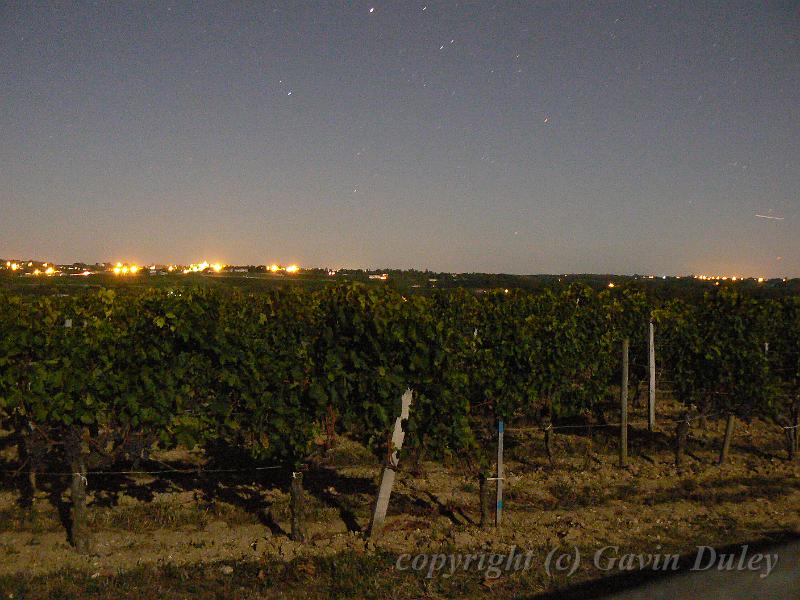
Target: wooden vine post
792, 437
651, 405
681, 436
548, 440
623, 427
32, 483
26, 455
389, 470
792, 431
589, 439
79, 530
296, 499
76, 457
499, 507
726, 443
485, 493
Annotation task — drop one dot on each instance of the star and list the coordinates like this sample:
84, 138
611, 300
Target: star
372, 9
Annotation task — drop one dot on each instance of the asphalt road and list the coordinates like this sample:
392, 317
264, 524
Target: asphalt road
783, 583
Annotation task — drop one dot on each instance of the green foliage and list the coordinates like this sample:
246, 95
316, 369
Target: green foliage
715, 352
783, 357
263, 371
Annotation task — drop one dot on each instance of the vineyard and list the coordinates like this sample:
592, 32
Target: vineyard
92, 382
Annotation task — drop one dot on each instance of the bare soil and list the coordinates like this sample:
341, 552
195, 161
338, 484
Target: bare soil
233, 525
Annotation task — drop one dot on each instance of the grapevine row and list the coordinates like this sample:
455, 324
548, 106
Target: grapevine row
91, 379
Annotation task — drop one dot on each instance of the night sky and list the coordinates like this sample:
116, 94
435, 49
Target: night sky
518, 137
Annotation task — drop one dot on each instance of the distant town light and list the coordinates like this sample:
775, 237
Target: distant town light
274, 268
49, 271
612, 285
292, 269
197, 268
